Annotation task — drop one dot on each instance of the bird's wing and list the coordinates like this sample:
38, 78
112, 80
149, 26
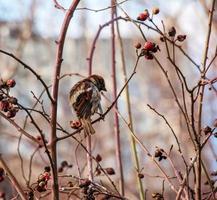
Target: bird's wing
80, 98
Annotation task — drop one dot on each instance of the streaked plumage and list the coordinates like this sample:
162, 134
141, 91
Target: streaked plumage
85, 99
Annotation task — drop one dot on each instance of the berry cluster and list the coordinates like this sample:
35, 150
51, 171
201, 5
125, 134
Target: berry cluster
160, 154
75, 124
148, 49
108, 170
43, 180
172, 34
7, 103
64, 165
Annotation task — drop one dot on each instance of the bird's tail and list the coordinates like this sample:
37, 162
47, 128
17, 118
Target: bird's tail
87, 126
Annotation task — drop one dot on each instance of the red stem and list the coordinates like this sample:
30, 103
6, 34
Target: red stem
57, 69
116, 120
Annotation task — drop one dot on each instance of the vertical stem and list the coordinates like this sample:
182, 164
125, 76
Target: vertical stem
116, 119
130, 119
55, 88
200, 109
13, 179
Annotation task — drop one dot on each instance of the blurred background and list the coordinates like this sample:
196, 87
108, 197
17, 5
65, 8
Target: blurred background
29, 29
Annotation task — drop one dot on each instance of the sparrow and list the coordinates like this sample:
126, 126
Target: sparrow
85, 99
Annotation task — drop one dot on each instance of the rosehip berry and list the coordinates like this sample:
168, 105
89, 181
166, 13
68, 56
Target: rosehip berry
207, 130
138, 45
172, 31
13, 100
75, 124
110, 171
98, 158
11, 113
4, 106
149, 46
143, 16
47, 168
181, 38
11, 83
64, 163
155, 10
141, 175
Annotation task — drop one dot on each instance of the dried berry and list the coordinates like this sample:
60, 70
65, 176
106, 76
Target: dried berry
138, 45
149, 46
11, 83
4, 106
47, 175
64, 163
75, 124
162, 39
181, 38
172, 31
207, 130
98, 158
13, 100
157, 196
110, 171
60, 169
141, 175
47, 168
149, 56
155, 10
11, 113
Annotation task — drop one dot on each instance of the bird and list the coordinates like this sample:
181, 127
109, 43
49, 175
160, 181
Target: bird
85, 97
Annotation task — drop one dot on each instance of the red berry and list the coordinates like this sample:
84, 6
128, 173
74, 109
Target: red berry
11, 83
141, 175
155, 10
4, 106
149, 46
46, 175
143, 16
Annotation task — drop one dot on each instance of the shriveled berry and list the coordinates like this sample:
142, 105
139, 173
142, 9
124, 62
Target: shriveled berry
140, 175
149, 46
162, 39
13, 100
60, 169
155, 10
64, 163
47, 175
207, 130
75, 124
157, 153
4, 106
181, 38
110, 171
70, 184
138, 45
172, 31
47, 168
10, 83
98, 158
149, 56
11, 113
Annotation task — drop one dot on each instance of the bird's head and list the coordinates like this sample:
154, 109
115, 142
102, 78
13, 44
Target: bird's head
98, 81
